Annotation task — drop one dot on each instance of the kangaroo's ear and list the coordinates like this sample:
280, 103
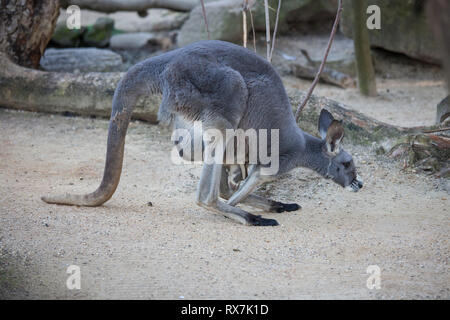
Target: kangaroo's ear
334, 136
325, 120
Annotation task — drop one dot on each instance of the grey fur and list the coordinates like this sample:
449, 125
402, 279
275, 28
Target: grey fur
224, 86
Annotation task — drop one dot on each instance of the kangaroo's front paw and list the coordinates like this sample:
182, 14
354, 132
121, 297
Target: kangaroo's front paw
260, 221
282, 207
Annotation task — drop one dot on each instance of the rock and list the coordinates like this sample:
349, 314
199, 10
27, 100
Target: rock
404, 29
443, 111
140, 39
99, 33
81, 59
64, 37
293, 12
340, 58
166, 20
288, 51
224, 20
155, 20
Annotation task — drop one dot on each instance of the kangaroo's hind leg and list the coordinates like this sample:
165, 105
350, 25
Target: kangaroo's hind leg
209, 187
244, 196
217, 97
269, 205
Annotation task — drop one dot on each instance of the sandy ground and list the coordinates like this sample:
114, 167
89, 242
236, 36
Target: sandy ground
176, 250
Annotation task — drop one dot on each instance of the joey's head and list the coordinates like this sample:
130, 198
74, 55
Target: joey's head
340, 168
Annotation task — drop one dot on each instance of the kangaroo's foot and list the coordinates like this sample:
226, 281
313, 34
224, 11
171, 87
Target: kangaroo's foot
238, 214
270, 205
260, 221
282, 207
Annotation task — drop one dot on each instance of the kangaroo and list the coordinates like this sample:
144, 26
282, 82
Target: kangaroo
225, 86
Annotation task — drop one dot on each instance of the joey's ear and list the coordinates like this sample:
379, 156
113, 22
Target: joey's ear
334, 136
325, 120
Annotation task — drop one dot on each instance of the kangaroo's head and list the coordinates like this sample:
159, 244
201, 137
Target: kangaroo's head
341, 168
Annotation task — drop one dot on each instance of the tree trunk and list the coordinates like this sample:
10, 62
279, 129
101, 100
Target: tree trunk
26, 27
366, 73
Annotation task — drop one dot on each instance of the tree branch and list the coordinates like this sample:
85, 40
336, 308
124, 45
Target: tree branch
266, 11
322, 65
275, 30
244, 23
253, 29
204, 18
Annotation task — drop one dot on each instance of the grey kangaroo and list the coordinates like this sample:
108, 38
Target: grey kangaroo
225, 86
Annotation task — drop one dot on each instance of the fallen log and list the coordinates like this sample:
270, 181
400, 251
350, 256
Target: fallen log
359, 128
109, 6
328, 75
85, 94
426, 152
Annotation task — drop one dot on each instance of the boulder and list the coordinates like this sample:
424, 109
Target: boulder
161, 20
293, 12
224, 20
404, 29
443, 111
99, 33
288, 53
130, 21
340, 58
65, 37
81, 59
138, 40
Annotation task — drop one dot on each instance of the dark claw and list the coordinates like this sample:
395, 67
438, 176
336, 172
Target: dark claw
282, 207
291, 207
259, 221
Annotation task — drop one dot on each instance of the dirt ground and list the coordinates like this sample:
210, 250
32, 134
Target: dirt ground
177, 250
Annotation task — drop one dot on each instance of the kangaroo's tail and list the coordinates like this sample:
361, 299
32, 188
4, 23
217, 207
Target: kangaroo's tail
143, 78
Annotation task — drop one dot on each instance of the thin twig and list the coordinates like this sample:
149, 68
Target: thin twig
204, 17
266, 11
275, 30
244, 18
244, 22
306, 55
322, 65
437, 130
253, 29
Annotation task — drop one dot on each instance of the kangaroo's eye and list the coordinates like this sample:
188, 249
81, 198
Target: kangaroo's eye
346, 164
